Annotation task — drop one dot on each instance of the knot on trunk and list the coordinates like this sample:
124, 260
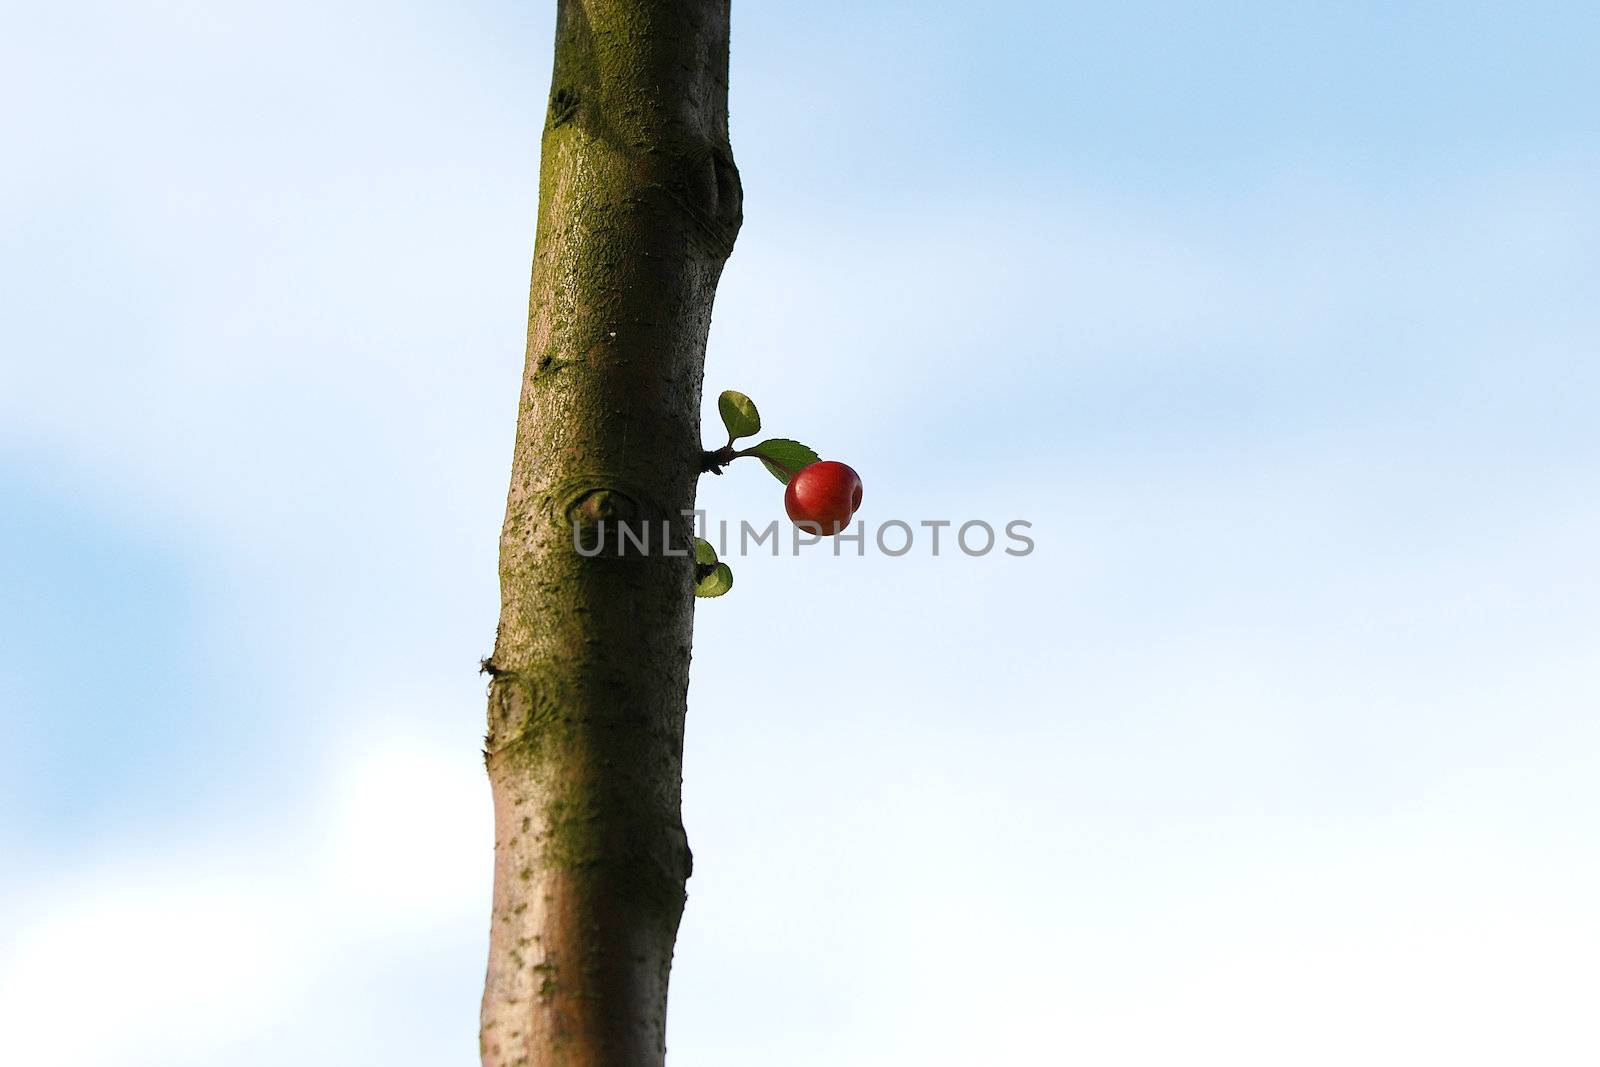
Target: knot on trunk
610, 521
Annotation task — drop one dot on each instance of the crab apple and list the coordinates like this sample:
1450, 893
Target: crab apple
826, 493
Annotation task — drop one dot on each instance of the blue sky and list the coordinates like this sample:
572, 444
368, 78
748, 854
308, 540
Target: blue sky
1276, 320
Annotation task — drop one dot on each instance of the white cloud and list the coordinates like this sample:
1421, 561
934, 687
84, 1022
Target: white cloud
265, 937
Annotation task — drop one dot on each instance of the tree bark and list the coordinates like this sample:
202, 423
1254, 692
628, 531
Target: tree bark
639, 204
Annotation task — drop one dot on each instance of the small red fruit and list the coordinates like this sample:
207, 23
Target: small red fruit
825, 493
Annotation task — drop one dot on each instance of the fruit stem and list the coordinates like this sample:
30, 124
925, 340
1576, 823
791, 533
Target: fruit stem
713, 462
768, 459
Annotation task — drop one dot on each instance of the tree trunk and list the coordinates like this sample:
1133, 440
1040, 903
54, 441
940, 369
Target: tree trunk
639, 203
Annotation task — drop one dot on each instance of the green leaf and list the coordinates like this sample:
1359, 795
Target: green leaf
777, 453
716, 583
739, 414
704, 554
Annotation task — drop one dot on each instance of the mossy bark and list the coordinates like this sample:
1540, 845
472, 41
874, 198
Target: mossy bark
638, 208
